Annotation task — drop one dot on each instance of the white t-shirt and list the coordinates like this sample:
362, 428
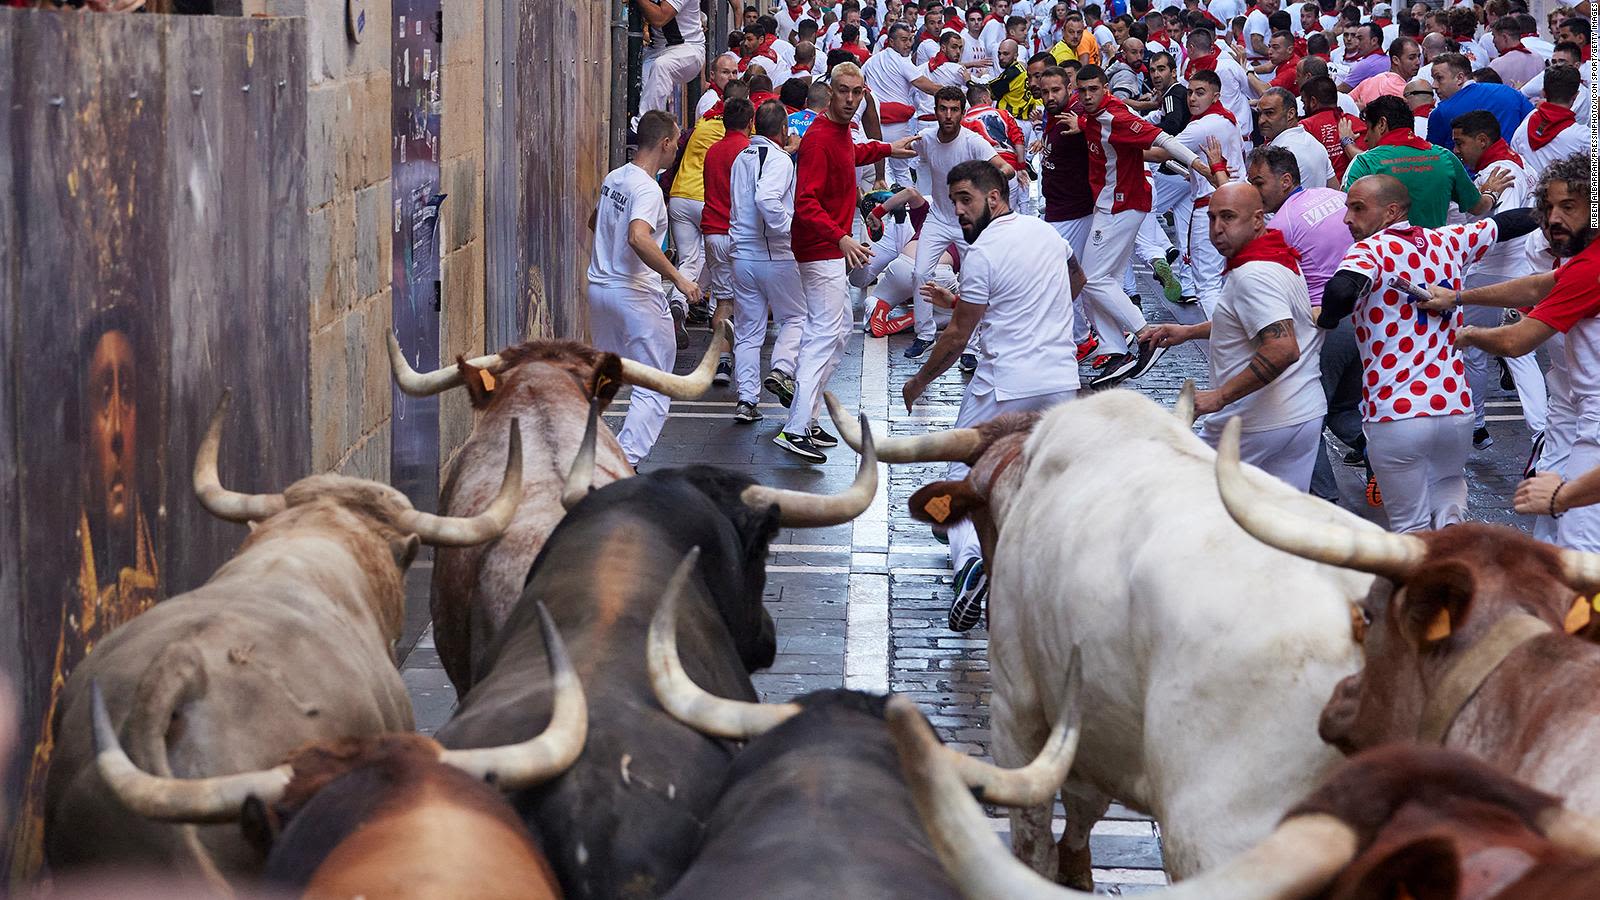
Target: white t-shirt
889, 76
1573, 139
1256, 23
687, 27
1018, 269
1254, 296
1194, 136
1506, 259
948, 74
628, 193
1315, 166
1226, 10
1236, 92
938, 158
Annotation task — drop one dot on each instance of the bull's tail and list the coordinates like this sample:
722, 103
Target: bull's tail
176, 676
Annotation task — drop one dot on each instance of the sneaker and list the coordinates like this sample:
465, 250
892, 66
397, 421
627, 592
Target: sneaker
1136, 301
746, 411
897, 324
1101, 361
679, 314
1534, 452
1149, 355
1087, 346
968, 363
1188, 300
1116, 369
917, 348
972, 586
699, 314
1169, 282
1507, 383
822, 438
1358, 455
801, 446
1374, 496
781, 384
724, 372
878, 322
1481, 438
1172, 252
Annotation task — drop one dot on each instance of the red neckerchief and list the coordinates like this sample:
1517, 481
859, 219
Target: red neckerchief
1269, 246
1547, 121
1158, 37
1096, 24
991, 17
766, 44
1519, 48
760, 97
954, 25
1348, 59
1584, 48
938, 60
794, 11
799, 69
1423, 111
1407, 232
1138, 68
1300, 48
1214, 20
1206, 63
923, 35
1217, 109
1402, 137
1496, 152
1381, 23
1289, 65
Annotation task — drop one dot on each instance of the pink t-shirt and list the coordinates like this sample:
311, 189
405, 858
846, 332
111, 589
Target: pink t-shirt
1312, 222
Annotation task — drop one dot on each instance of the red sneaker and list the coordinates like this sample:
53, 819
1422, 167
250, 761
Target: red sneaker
900, 323
1099, 362
878, 322
1087, 347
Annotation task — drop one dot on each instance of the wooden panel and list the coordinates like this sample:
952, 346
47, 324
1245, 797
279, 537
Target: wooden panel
11, 645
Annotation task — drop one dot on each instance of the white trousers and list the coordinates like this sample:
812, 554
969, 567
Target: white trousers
1288, 453
938, 235
1420, 466
1579, 528
666, 70
1482, 373
760, 285
1205, 263
975, 410
636, 324
1560, 424
898, 170
1076, 233
1110, 246
683, 217
719, 269
827, 326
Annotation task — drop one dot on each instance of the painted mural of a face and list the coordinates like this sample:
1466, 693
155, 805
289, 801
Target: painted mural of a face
113, 430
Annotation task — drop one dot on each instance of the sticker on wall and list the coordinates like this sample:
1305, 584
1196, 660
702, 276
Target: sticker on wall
355, 18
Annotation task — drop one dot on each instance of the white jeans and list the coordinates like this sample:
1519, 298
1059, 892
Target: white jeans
1204, 261
975, 410
898, 170
827, 326
635, 324
1482, 373
1420, 465
1560, 425
719, 269
666, 70
1110, 247
937, 236
683, 217
760, 285
1579, 528
1288, 453
1076, 233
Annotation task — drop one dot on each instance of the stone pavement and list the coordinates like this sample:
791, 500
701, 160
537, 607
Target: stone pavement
864, 605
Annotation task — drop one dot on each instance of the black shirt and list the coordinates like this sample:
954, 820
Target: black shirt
1175, 109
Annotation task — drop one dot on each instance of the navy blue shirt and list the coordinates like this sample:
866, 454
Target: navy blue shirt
1507, 104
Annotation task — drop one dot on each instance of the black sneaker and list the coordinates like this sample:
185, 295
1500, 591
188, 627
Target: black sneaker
1507, 383
822, 438
682, 334
699, 314
800, 446
972, 586
1149, 354
724, 372
1115, 370
968, 363
1481, 438
917, 348
781, 384
746, 411
1188, 299
1358, 455
1534, 452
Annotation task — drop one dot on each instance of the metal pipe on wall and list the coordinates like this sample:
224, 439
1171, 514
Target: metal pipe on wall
620, 86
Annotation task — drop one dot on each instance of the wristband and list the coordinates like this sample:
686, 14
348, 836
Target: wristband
1553, 495
1458, 299
1220, 167
879, 211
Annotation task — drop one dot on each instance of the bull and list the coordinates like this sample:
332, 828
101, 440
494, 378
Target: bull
548, 386
1467, 645
391, 816
289, 642
1396, 822
1206, 657
625, 819
814, 805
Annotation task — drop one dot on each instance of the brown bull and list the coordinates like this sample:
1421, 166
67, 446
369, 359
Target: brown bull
390, 816
290, 642
1465, 639
549, 386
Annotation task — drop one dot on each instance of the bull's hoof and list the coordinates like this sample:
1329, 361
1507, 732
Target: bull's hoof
1075, 870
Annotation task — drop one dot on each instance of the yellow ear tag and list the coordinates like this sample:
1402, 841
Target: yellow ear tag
487, 379
1439, 628
1577, 616
938, 507
600, 382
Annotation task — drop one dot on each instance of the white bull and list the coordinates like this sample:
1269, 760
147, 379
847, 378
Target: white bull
1207, 657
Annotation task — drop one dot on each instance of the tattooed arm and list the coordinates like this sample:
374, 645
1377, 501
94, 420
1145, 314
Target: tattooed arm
1276, 350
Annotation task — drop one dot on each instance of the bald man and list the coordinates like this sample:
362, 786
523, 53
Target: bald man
1264, 343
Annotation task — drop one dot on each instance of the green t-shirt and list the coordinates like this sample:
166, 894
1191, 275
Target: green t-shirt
1434, 177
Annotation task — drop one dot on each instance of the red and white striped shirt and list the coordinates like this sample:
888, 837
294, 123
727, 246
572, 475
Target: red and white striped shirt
1117, 140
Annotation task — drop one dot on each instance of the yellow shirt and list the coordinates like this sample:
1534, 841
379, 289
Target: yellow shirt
1062, 52
690, 182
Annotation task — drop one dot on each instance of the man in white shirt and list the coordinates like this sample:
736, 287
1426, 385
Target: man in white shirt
765, 275
1264, 344
1226, 10
1209, 121
1257, 32
1236, 95
1563, 55
994, 28
677, 50
1280, 125
724, 69
897, 84
1553, 132
1017, 283
628, 312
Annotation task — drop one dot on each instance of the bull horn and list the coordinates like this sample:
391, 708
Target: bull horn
686, 701
1039, 781
949, 445
1571, 831
1300, 858
1580, 569
1394, 556
420, 384
458, 531
218, 500
682, 387
1184, 408
580, 478
549, 753
216, 799
801, 509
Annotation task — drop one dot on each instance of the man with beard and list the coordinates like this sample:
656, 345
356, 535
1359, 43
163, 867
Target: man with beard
1565, 304
1017, 280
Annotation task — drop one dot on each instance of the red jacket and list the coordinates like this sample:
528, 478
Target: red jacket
718, 169
825, 187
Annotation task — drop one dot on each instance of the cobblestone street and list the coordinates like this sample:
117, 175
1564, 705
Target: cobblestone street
865, 605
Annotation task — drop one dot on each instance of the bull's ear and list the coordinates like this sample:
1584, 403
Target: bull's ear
945, 502
480, 383
259, 824
1426, 868
1436, 602
607, 378
405, 550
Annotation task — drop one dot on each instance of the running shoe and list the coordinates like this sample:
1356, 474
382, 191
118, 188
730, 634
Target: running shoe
972, 586
1507, 383
822, 438
781, 384
801, 446
878, 321
746, 411
1149, 355
917, 348
1358, 455
1169, 282
897, 324
1115, 370
679, 314
1374, 496
968, 363
1101, 361
1534, 452
724, 372
1087, 346
699, 314
1481, 439
1188, 300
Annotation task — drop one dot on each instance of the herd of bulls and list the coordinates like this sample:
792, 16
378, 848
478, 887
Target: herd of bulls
1168, 628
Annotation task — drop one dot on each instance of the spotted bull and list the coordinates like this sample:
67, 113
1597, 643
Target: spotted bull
289, 642
1206, 657
548, 386
625, 819
390, 816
